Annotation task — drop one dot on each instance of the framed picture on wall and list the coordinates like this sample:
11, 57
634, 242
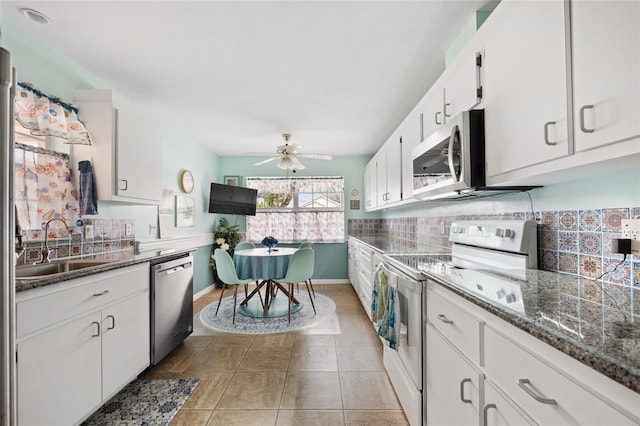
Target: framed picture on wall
185, 211
232, 180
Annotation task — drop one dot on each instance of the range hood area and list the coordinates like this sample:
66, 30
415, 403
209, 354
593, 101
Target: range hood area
476, 192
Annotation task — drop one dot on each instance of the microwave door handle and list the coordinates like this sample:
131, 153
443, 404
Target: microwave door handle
452, 167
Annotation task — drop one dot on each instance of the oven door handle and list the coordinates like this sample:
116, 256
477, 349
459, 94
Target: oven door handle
455, 132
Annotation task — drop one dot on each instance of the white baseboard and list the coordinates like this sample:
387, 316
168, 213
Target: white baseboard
204, 291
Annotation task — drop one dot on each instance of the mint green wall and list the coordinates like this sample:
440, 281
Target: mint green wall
465, 35
331, 259
54, 74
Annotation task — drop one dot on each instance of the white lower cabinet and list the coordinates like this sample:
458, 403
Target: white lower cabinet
479, 369
68, 365
453, 385
363, 261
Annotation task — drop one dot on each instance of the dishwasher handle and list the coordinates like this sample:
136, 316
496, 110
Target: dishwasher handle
174, 269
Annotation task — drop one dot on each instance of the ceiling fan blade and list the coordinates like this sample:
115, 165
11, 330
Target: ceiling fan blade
266, 161
317, 156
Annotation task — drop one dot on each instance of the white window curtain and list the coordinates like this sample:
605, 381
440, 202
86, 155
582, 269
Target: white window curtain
48, 116
43, 190
298, 209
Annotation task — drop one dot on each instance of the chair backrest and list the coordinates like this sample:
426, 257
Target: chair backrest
300, 267
244, 245
306, 244
224, 265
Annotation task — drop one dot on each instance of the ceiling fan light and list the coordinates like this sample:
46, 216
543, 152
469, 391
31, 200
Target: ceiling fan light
285, 163
297, 164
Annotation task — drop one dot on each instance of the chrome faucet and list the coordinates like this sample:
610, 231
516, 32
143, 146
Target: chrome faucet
46, 251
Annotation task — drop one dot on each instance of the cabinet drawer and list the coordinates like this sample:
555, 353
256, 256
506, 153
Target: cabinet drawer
460, 327
74, 297
524, 378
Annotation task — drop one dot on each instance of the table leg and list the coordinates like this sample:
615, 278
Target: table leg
286, 292
255, 290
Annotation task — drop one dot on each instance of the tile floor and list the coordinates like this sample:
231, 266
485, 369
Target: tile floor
330, 374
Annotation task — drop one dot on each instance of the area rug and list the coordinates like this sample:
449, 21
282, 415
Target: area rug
304, 318
148, 402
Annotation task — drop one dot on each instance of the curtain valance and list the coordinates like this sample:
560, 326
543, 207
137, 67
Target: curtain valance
45, 115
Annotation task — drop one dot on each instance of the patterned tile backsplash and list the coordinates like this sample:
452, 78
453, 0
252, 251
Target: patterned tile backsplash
572, 241
109, 241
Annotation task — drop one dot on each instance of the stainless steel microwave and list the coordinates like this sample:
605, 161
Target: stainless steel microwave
450, 162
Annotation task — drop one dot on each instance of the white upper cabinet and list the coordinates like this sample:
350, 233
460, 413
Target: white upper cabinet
370, 190
126, 151
606, 71
524, 85
412, 135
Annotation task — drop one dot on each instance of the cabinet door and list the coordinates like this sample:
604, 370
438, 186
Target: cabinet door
370, 185
452, 385
460, 90
125, 325
394, 168
139, 157
381, 177
411, 136
431, 108
498, 412
59, 376
525, 90
606, 71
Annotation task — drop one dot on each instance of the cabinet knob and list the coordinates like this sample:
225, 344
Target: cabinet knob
444, 319
582, 126
546, 133
462, 398
486, 409
97, 333
126, 184
447, 110
438, 122
113, 322
525, 384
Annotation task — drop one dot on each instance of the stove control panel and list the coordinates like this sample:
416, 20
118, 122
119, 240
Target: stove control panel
516, 236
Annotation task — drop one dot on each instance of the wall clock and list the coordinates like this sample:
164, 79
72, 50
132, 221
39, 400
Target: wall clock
186, 181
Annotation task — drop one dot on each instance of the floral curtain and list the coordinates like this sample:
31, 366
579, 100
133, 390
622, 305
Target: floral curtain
293, 224
48, 116
43, 190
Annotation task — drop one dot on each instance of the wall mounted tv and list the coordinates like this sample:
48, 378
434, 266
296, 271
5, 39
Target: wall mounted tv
229, 199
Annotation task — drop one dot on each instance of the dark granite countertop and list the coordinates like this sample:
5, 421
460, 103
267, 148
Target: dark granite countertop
592, 321
147, 256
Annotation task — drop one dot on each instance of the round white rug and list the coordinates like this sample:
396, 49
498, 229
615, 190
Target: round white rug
304, 318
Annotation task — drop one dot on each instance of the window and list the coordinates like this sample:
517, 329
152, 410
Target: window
297, 209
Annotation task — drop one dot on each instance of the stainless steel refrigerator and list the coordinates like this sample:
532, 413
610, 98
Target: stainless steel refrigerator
7, 248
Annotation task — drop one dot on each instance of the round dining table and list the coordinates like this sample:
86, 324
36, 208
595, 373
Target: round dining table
265, 266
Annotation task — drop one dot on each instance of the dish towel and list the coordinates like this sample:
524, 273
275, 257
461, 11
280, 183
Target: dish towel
385, 306
88, 194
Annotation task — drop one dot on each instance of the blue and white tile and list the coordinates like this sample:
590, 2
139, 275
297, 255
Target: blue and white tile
590, 220
590, 243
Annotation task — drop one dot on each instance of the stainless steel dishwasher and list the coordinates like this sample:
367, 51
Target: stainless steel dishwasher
171, 305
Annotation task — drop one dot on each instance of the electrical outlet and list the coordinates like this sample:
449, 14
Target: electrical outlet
631, 230
88, 232
127, 229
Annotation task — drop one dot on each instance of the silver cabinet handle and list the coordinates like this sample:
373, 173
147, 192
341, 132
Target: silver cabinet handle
436, 117
525, 383
444, 319
447, 114
546, 132
97, 324
462, 398
126, 185
582, 126
484, 413
113, 322
101, 293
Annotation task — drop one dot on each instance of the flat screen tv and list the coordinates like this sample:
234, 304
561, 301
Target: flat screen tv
229, 199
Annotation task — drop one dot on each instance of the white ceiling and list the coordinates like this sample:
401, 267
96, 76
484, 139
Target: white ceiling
339, 75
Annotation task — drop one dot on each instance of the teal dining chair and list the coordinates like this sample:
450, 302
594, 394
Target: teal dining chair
244, 245
229, 276
300, 270
306, 244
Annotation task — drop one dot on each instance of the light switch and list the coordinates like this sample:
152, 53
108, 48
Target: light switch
88, 232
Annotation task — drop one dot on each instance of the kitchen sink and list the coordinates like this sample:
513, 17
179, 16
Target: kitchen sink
47, 270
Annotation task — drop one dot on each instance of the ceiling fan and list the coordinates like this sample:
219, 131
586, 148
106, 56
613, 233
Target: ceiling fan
289, 154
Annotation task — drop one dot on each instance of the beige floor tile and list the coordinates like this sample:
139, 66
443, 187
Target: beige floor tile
359, 358
361, 338
368, 391
266, 359
314, 340
191, 418
198, 341
209, 390
243, 418
178, 360
313, 358
233, 339
283, 340
218, 358
376, 418
312, 390
259, 389
310, 418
